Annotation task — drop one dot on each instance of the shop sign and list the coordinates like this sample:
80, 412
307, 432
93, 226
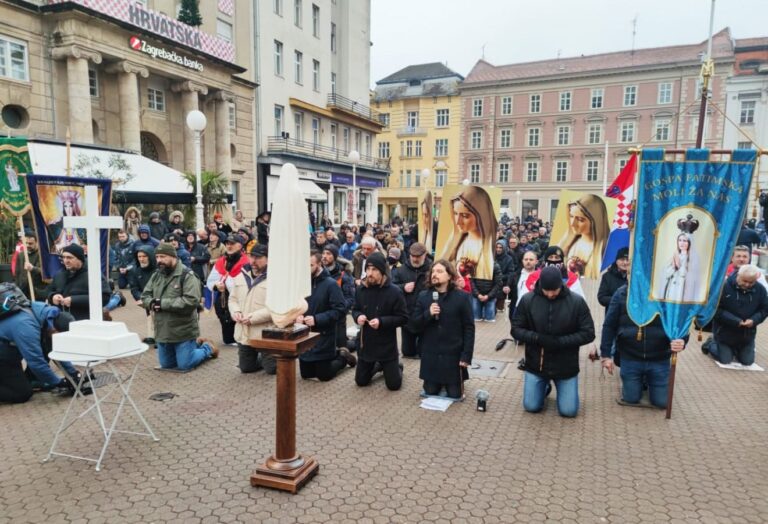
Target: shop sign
142, 46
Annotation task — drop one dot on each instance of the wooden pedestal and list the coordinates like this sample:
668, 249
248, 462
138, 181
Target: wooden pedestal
285, 469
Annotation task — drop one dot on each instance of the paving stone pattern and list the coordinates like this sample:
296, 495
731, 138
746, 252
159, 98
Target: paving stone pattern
384, 459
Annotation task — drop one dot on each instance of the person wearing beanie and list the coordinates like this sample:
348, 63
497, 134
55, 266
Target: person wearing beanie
613, 278
220, 282
554, 256
553, 323
157, 228
69, 289
379, 310
412, 278
181, 252
173, 296
393, 258
340, 271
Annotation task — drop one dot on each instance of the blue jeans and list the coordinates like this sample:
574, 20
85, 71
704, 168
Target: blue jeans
484, 310
724, 353
635, 373
534, 394
182, 355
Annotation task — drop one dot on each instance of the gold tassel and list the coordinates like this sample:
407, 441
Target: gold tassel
700, 337
639, 334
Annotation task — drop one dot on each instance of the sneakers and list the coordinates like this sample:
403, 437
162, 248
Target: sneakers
214, 350
349, 357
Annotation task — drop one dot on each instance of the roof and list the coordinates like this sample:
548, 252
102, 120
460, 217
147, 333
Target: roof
420, 72
722, 47
752, 42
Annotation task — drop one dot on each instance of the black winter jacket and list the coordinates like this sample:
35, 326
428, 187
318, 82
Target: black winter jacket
407, 273
611, 281
201, 256
138, 277
385, 302
506, 265
492, 288
326, 304
735, 305
346, 283
75, 285
125, 254
553, 331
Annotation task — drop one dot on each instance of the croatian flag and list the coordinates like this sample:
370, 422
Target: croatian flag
622, 190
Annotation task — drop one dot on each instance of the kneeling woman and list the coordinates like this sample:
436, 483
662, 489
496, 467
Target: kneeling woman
443, 316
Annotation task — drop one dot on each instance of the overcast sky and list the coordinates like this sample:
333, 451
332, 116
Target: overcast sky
406, 32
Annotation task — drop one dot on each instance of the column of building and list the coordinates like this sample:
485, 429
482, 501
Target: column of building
190, 101
222, 101
128, 93
78, 89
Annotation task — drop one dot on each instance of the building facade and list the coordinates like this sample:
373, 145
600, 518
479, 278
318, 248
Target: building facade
536, 128
124, 74
747, 108
421, 111
313, 65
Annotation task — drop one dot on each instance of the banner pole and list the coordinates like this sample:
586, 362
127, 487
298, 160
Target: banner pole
671, 386
69, 152
26, 258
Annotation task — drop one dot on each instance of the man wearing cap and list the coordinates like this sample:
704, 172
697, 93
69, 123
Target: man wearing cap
340, 271
412, 278
553, 323
379, 310
173, 295
69, 289
247, 305
181, 252
614, 277
33, 267
220, 282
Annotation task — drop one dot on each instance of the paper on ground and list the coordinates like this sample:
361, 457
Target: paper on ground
436, 404
736, 365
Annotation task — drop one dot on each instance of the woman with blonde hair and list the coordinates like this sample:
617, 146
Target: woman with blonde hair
588, 230
473, 236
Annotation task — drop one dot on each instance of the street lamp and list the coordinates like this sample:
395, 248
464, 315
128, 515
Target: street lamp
466, 182
519, 211
354, 157
196, 121
425, 176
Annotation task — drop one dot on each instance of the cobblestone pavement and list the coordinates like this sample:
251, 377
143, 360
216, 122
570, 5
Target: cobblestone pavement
384, 459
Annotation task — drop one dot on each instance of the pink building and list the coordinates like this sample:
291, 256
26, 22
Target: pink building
538, 127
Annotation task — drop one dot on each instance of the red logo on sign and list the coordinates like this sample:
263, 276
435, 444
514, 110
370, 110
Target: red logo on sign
135, 43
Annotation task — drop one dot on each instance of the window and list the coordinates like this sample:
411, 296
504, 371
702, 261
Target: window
477, 107
345, 140
93, 82
297, 13
561, 171
441, 175
383, 149
278, 58
316, 131
408, 178
474, 173
661, 130
315, 75
224, 30
298, 121
333, 83
630, 95
333, 37
156, 99
368, 145
596, 100
622, 163
565, 101
627, 132
232, 115
534, 134
412, 119
744, 145
476, 141
443, 118
532, 171
747, 112
279, 110
277, 7
384, 119
441, 147
298, 60
234, 187
315, 21
417, 178
665, 93
535, 104
417, 151
506, 105
334, 135
505, 138
563, 135
409, 148
357, 141
13, 59
504, 172
595, 133
593, 168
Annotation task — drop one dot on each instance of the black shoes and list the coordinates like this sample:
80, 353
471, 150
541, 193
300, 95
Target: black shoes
349, 357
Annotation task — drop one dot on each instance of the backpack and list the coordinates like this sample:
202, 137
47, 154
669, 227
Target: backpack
12, 300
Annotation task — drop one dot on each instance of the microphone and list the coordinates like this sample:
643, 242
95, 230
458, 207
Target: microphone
482, 397
435, 296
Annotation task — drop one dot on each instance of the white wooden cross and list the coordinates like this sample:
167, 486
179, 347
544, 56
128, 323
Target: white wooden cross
93, 223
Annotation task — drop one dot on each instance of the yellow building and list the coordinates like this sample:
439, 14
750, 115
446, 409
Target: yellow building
421, 110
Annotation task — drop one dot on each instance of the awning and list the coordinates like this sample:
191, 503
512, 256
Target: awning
137, 178
312, 191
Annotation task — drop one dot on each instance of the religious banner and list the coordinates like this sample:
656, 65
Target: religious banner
467, 229
426, 228
581, 229
53, 198
687, 220
15, 163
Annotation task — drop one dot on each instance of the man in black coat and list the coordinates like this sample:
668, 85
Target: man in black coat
69, 288
326, 306
379, 310
553, 323
198, 255
340, 271
447, 329
644, 352
412, 278
613, 278
124, 250
484, 294
748, 237
142, 271
506, 266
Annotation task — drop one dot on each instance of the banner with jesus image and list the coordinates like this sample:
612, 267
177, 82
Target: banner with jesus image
56, 197
687, 219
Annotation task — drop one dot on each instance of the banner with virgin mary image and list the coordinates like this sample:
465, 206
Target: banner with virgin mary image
427, 219
467, 229
688, 216
53, 198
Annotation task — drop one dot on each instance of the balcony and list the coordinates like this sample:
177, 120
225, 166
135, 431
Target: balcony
279, 145
411, 131
342, 103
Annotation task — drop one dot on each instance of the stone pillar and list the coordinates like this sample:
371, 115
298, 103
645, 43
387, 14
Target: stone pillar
130, 110
331, 190
221, 100
78, 92
190, 92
